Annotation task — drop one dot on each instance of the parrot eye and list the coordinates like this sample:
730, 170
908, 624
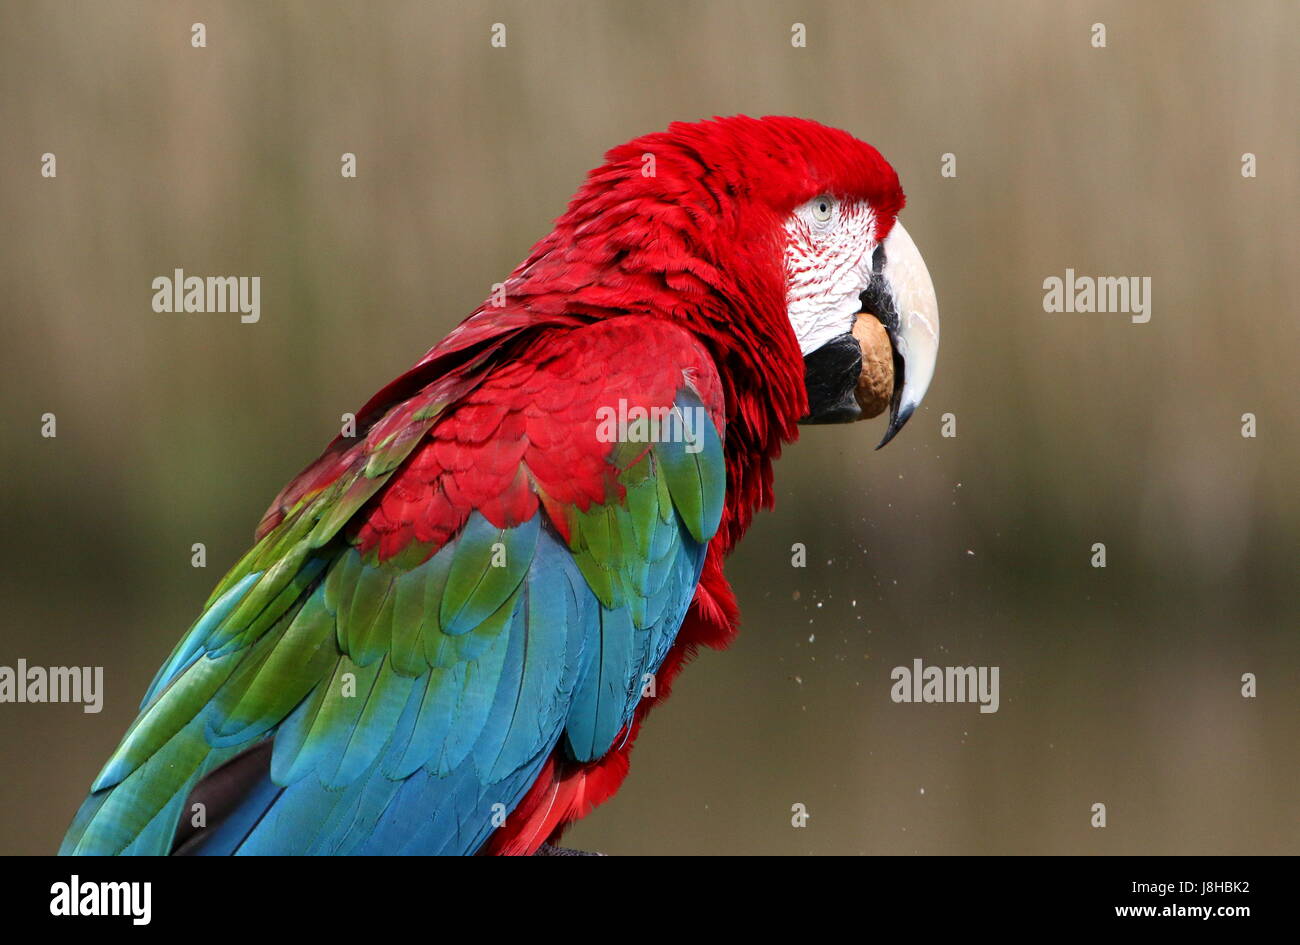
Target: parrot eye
823, 207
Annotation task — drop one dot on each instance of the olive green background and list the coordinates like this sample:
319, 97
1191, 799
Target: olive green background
1119, 685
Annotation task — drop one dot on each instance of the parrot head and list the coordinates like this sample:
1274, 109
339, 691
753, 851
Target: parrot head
834, 282
770, 237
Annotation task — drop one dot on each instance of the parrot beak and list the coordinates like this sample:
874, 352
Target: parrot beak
901, 297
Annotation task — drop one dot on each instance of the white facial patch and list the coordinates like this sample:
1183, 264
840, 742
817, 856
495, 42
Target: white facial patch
828, 265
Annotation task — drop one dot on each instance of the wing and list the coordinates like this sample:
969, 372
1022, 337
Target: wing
488, 573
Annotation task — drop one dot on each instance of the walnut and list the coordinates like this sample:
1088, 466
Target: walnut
876, 383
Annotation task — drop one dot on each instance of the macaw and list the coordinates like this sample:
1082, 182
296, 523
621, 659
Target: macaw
441, 640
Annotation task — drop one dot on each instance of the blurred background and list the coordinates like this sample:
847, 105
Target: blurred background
1118, 686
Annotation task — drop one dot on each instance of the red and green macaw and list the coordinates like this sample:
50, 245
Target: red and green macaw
441, 640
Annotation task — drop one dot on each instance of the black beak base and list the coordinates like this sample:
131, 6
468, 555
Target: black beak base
830, 377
